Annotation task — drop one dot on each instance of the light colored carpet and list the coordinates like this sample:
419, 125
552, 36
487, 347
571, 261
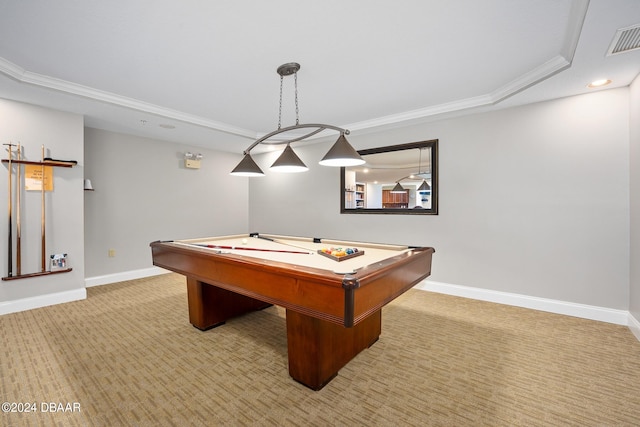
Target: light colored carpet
128, 356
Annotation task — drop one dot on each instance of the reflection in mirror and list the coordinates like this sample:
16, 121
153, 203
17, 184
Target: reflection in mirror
398, 179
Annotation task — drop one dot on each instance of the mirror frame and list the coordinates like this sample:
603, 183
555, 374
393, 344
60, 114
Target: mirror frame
433, 145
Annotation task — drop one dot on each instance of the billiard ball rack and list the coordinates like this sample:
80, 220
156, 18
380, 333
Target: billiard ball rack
340, 258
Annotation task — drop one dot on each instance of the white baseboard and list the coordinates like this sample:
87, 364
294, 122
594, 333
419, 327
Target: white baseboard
42, 301
634, 325
609, 315
619, 317
123, 276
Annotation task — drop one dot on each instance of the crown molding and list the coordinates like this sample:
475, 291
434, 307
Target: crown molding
529, 79
560, 62
544, 71
421, 113
27, 77
577, 16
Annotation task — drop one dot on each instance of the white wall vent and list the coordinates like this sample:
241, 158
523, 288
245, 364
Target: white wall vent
625, 40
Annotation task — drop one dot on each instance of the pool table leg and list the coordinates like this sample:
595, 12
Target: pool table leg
210, 306
319, 349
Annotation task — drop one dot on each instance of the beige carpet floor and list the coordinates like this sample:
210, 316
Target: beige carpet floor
127, 355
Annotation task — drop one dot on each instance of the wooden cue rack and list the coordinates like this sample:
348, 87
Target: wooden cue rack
43, 163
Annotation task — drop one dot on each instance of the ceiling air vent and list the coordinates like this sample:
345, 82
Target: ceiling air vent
625, 40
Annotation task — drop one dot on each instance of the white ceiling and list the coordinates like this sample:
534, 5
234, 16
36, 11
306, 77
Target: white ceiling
209, 67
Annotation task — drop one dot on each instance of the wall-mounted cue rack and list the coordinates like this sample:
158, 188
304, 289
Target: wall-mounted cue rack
17, 162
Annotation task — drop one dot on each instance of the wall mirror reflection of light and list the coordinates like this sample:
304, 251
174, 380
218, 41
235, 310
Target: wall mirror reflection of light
397, 179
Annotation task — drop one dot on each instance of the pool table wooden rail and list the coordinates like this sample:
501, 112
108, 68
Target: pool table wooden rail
342, 299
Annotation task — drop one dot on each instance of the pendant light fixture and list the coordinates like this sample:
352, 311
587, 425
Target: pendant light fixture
425, 185
289, 162
398, 188
247, 167
341, 154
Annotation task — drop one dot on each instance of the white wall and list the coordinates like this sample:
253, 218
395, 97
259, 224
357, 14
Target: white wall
534, 200
62, 135
143, 193
634, 304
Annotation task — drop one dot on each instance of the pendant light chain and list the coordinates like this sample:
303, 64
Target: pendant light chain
295, 82
280, 110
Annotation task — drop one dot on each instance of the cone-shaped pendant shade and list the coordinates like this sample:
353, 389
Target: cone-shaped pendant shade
289, 162
247, 167
342, 154
424, 186
398, 188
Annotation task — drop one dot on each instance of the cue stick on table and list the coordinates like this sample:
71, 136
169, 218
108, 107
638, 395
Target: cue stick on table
18, 226
42, 216
251, 249
10, 246
280, 242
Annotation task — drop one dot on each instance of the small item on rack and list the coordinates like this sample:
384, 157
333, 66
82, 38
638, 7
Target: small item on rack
58, 262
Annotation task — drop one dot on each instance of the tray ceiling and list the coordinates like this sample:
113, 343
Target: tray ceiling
204, 73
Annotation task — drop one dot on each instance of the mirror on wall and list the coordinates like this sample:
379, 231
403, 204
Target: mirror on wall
397, 179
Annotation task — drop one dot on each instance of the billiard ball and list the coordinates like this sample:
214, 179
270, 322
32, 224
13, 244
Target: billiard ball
244, 241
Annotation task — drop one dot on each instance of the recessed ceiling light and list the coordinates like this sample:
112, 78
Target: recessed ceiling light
166, 126
599, 83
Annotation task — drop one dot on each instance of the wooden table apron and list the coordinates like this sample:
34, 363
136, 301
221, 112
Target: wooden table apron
330, 317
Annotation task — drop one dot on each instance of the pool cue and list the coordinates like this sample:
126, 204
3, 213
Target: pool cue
42, 216
250, 249
10, 246
18, 227
280, 242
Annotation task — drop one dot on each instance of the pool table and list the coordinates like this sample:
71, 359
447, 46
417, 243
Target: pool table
333, 304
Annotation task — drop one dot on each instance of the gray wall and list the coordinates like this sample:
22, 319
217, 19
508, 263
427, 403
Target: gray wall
143, 192
62, 135
534, 200
634, 305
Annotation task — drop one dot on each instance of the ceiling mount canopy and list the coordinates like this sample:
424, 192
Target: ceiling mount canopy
288, 69
340, 154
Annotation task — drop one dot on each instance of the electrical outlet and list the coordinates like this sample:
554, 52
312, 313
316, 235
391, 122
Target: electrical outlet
112, 253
